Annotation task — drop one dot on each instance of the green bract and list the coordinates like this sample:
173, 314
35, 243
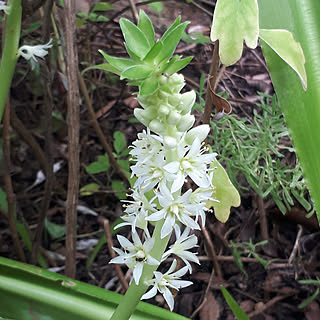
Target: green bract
149, 59
233, 22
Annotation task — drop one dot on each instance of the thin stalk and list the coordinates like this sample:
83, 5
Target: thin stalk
132, 297
10, 51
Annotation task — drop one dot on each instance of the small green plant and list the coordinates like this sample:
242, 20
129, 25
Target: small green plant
305, 302
258, 150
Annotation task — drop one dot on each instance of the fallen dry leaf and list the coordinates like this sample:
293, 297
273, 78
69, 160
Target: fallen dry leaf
211, 308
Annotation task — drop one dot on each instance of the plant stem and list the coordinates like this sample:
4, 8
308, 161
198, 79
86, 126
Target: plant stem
10, 51
132, 297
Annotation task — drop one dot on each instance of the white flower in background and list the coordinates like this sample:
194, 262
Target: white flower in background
135, 254
4, 7
163, 283
183, 242
193, 164
31, 53
179, 208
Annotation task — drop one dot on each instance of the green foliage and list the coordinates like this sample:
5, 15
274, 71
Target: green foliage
233, 22
305, 302
148, 59
248, 249
55, 230
89, 189
257, 150
99, 166
195, 37
236, 309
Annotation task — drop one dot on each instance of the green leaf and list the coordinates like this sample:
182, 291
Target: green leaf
118, 63
233, 22
105, 67
195, 37
177, 65
94, 17
117, 185
170, 42
305, 302
227, 195
146, 26
156, 6
149, 86
300, 108
3, 200
153, 53
89, 189
119, 142
102, 6
174, 25
55, 230
136, 72
288, 49
125, 166
99, 166
135, 39
237, 311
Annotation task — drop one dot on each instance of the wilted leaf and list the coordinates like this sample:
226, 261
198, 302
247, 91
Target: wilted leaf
211, 309
233, 22
225, 192
288, 49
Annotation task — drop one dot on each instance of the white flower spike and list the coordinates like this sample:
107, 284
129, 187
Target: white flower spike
4, 7
31, 53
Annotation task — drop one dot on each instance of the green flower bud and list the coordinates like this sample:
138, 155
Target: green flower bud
185, 123
174, 99
187, 101
163, 110
199, 132
174, 117
176, 82
169, 142
149, 113
138, 113
157, 126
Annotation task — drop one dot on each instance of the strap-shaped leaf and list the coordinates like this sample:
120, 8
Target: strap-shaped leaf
168, 31
233, 22
118, 63
170, 42
146, 25
177, 65
135, 39
136, 72
105, 67
287, 48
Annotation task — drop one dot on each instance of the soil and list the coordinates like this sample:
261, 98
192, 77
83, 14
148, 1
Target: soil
270, 292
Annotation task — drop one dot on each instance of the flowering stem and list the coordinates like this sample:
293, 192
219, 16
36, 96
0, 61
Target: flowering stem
133, 295
10, 49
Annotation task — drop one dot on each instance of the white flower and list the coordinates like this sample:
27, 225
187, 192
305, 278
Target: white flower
146, 146
135, 254
32, 52
162, 283
183, 242
175, 208
193, 164
4, 7
137, 211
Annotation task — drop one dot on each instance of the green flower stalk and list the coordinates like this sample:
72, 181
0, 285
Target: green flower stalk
167, 153
10, 49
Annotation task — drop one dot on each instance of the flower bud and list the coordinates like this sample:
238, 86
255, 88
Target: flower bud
169, 142
176, 82
199, 132
156, 126
174, 117
186, 122
174, 99
138, 113
187, 101
163, 110
149, 113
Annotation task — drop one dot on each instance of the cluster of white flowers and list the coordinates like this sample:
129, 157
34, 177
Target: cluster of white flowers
164, 160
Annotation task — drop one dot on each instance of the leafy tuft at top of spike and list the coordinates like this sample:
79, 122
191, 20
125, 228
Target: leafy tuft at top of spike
148, 58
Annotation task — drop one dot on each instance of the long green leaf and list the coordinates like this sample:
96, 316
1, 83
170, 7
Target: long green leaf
28, 292
301, 109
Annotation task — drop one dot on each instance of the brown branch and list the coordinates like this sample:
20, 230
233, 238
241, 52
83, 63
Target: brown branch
8, 184
73, 137
95, 124
212, 83
212, 253
134, 10
121, 277
263, 219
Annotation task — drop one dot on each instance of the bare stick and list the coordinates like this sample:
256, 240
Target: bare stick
134, 10
8, 184
296, 246
263, 219
73, 137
